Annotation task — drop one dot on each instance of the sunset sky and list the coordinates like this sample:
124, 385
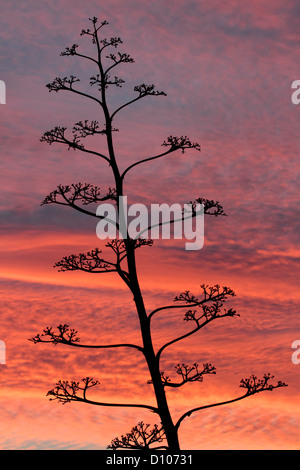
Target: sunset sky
227, 69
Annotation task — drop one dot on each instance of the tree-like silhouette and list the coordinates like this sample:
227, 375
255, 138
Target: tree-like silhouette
199, 311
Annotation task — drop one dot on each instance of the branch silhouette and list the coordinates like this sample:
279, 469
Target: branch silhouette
175, 143
188, 374
209, 207
209, 294
69, 337
209, 312
66, 84
92, 262
143, 90
252, 385
57, 135
84, 129
84, 193
140, 437
66, 391
89, 262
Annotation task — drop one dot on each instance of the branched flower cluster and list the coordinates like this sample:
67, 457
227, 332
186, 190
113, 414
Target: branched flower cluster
209, 313
182, 143
140, 437
122, 57
58, 135
138, 242
114, 42
97, 80
92, 262
209, 293
89, 262
187, 374
211, 304
70, 50
83, 129
84, 192
62, 83
119, 248
80, 130
210, 207
193, 373
254, 385
145, 90
186, 297
67, 391
65, 335
88, 32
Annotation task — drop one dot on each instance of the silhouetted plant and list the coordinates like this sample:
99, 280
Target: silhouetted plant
199, 310
140, 437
